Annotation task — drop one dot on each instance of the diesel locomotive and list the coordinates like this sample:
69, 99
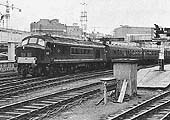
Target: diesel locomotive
45, 55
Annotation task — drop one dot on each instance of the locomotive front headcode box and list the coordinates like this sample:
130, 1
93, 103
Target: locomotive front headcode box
26, 59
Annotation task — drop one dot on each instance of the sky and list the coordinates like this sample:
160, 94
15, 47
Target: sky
103, 15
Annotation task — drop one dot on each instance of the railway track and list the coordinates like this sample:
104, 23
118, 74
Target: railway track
13, 86
34, 108
12, 77
7, 74
8, 91
156, 108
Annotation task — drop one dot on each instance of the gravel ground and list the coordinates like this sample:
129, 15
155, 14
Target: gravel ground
45, 91
87, 110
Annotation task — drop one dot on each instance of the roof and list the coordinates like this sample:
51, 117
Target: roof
68, 41
124, 47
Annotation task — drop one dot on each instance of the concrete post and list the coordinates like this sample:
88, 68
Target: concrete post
126, 69
106, 81
11, 51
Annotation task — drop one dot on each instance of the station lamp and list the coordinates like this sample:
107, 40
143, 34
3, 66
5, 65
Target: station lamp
158, 31
158, 43
167, 31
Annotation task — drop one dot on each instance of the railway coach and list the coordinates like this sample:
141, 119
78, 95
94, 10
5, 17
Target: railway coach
44, 55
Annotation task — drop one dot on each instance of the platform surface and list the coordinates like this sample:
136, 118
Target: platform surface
153, 78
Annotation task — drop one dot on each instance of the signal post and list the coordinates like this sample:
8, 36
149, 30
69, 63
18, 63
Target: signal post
160, 41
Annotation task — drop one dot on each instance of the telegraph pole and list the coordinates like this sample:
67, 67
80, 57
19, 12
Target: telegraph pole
6, 16
83, 19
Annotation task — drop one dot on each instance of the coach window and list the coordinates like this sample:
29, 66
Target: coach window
81, 51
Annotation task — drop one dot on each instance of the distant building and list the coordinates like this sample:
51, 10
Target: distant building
74, 31
133, 33
53, 27
46, 26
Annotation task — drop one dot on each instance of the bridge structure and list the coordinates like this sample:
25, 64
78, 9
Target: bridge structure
9, 38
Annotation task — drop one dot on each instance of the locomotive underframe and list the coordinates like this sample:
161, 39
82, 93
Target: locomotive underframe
58, 69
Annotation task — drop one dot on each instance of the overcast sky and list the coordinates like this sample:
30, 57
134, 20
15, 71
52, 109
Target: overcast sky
105, 15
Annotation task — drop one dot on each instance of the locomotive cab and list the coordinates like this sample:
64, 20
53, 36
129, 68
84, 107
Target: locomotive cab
30, 53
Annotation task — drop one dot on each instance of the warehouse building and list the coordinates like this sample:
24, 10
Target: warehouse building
131, 34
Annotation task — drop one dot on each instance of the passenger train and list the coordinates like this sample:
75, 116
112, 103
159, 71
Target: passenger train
46, 55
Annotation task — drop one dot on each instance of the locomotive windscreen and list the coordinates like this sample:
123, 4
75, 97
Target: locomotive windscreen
33, 41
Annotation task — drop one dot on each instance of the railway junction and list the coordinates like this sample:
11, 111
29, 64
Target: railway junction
29, 89
100, 95
152, 88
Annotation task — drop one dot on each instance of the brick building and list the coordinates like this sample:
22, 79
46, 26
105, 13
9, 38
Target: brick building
53, 27
48, 27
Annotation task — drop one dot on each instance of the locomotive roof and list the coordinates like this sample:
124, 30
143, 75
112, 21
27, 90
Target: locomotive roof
67, 41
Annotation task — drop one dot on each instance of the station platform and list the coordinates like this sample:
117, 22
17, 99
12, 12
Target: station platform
153, 78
